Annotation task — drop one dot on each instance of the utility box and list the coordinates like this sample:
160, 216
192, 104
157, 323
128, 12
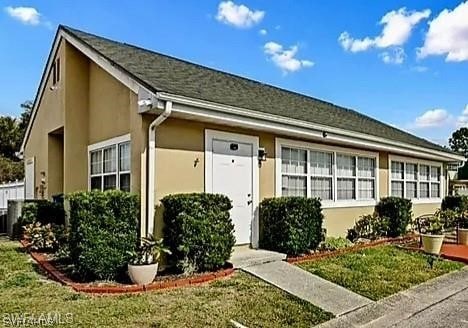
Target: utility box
14, 212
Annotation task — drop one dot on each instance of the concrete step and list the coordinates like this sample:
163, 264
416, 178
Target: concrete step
243, 257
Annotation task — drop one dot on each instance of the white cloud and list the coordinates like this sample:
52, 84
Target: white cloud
394, 56
397, 28
238, 15
286, 58
263, 31
433, 118
420, 69
26, 15
448, 35
462, 120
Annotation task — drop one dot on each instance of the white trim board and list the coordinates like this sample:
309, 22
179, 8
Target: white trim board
211, 135
279, 142
292, 127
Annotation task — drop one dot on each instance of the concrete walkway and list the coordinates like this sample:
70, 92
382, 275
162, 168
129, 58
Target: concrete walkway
414, 307
320, 292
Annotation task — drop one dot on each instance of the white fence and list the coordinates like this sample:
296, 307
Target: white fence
10, 191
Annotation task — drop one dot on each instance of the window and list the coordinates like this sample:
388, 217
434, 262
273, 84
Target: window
110, 167
366, 177
332, 176
321, 172
56, 72
294, 172
345, 172
414, 180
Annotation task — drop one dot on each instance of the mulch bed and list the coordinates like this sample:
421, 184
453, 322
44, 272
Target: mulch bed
56, 271
449, 251
326, 254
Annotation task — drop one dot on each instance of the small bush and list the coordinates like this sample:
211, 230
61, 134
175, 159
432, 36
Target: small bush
28, 214
198, 230
398, 211
103, 229
291, 225
456, 203
42, 237
335, 243
369, 227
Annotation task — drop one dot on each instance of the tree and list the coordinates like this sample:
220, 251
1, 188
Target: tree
12, 131
459, 143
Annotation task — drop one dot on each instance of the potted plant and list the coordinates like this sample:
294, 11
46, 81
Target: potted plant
463, 229
432, 233
144, 264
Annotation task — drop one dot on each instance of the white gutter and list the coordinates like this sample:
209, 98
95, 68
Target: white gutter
152, 164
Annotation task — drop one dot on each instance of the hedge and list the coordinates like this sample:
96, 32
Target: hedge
198, 230
455, 203
103, 229
399, 214
291, 225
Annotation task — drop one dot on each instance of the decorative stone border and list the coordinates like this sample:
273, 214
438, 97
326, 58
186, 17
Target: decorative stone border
327, 254
54, 273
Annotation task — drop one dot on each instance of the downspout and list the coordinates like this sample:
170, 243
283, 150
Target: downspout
152, 164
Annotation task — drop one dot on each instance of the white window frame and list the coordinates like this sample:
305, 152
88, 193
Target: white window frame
116, 142
334, 203
418, 162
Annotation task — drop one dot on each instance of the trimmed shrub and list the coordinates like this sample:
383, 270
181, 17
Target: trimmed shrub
291, 225
399, 214
456, 203
103, 230
370, 227
198, 230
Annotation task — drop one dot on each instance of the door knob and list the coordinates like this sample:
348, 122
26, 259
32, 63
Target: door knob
249, 202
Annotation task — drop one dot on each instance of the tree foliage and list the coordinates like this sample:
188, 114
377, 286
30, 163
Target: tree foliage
459, 142
12, 131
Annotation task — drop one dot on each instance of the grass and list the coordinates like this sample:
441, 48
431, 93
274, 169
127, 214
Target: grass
242, 298
379, 272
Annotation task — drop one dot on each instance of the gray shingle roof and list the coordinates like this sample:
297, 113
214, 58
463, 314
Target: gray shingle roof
163, 73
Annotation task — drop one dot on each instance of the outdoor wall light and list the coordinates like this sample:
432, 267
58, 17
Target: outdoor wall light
262, 155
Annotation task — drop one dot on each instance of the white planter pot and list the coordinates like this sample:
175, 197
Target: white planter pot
142, 274
432, 243
462, 236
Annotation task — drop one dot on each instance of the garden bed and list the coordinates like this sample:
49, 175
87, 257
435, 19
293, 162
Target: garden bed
60, 272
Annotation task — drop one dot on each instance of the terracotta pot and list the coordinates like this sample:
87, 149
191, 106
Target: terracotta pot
142, 274
462, 236
432, 243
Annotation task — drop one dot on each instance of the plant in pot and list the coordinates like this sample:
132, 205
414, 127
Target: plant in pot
463, 229
144, 264
432, 234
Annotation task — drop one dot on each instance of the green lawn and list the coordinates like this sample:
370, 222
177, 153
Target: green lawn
242, 298
379, 272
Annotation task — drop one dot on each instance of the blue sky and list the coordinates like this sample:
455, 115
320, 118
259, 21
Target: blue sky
407, 67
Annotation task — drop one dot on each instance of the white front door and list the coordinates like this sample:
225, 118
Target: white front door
233, 161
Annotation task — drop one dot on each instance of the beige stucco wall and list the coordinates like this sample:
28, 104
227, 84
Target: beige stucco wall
180, 168
89, 106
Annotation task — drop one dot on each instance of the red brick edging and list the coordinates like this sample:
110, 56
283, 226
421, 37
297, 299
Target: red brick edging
52, 271
327, 254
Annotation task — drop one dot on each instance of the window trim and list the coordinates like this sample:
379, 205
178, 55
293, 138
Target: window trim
282, 142
418, 162
104, 144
